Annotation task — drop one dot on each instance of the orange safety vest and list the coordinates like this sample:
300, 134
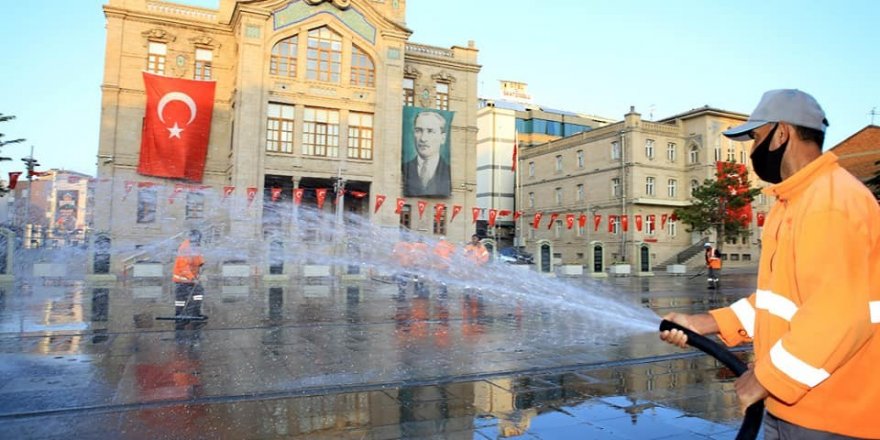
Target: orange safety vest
477, 253
714, 263
403, 253
815, 317
443, 251
187, 264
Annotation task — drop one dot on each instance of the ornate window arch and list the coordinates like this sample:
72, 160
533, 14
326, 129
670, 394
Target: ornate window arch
323, 55
283, 58
363, 71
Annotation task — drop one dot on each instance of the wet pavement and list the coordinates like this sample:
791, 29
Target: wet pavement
355, 359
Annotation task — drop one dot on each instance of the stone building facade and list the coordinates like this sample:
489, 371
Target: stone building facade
635, 168
502, 124
309, 94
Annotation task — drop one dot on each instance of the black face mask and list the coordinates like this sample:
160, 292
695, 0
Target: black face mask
768, 164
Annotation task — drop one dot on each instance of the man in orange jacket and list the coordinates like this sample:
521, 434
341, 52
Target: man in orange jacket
476, 251
188, 293
713, 263
815, 317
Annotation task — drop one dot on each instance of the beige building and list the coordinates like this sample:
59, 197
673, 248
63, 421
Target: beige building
309, 94
53, 209
635, 168
503, 123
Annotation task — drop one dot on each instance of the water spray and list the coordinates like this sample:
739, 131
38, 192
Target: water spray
754, 414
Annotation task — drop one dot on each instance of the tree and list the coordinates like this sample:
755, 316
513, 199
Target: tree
720, 204
4, 118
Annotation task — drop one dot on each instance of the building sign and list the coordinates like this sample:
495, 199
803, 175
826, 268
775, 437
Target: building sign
515, 91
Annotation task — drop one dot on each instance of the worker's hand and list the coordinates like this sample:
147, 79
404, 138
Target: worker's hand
677, 337
749, 390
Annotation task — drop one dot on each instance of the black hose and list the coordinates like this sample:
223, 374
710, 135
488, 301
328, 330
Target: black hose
754, 414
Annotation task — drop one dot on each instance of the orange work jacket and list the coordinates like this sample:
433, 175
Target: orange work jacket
443, 251
403, 253
477, 253
815, 317
187, 264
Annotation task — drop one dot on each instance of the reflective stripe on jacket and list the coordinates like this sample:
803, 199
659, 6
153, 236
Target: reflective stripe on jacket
815, 317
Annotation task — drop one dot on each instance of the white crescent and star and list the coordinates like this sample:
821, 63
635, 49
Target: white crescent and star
169, 97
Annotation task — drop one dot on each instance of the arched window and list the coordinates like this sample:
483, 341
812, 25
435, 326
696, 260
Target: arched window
694, 155
324, 55
283, 61
363, 73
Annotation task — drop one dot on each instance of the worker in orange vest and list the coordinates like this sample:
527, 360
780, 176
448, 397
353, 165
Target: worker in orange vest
402, 254
443, 251
813, 320
188, 293
713, 264
476, 252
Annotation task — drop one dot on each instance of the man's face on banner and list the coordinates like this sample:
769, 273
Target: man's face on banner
430, 134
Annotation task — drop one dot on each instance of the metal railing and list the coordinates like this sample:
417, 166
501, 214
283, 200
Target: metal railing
686, 254
162, 253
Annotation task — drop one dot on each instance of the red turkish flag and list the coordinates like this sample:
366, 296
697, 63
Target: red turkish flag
663, 218
339, 194
438, 211
652, 223
298, 195
358, 194
493, 215
569, 221
422, 205
517, 215
455, 210
553, 218
400, 202
251, 195
276, 193
476, 214
673, 217
380, 199
227, 191
128, 186
612, 219
537, 220
13, 178
322, 195
624, 222
582, 221
513, 165
761, 219
177, 127
178, 188
503, 213
639, 222
597, 220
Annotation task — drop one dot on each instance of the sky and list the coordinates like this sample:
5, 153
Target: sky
594, 57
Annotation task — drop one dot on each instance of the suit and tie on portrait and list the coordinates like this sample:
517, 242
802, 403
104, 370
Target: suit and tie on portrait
427, 173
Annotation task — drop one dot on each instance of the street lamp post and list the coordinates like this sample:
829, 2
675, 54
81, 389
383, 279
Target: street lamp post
30, 164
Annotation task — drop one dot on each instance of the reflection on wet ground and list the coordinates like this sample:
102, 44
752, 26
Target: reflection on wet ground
358, 359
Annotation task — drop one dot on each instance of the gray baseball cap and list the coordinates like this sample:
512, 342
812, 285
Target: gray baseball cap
784, 105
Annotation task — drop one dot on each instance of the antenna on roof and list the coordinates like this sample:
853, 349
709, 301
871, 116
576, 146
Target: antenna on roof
873, 113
